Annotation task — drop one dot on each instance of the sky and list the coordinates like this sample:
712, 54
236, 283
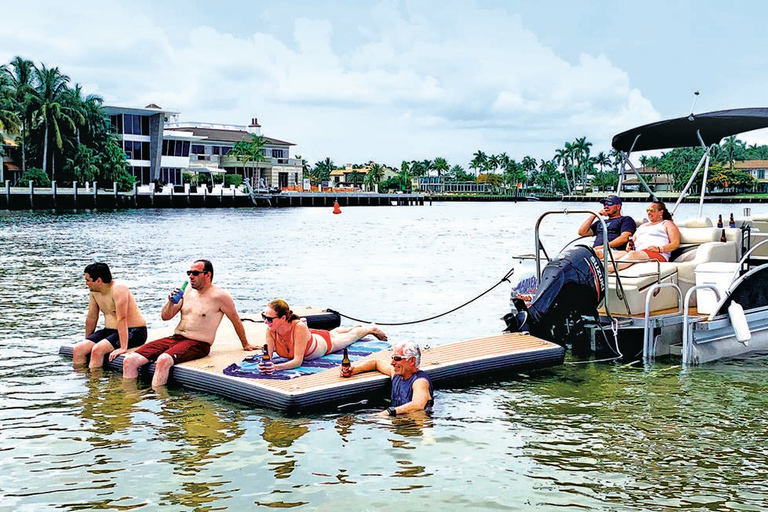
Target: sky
356, 80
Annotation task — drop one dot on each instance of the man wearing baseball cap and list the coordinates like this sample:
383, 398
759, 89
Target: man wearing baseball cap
620, 227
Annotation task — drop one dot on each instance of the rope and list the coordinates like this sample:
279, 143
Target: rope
503, 279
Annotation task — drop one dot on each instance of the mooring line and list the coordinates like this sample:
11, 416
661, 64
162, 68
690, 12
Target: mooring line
503, 279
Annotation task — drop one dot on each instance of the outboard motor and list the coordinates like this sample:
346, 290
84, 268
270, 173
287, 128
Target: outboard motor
571, 288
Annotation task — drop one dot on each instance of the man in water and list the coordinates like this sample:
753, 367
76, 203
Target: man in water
411, 388
124, 327
620, 227
202, 309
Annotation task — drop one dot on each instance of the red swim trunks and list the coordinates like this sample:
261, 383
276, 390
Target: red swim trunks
177, 346
654, 255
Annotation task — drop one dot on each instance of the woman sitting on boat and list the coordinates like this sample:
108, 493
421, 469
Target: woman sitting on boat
292, 339
655, 239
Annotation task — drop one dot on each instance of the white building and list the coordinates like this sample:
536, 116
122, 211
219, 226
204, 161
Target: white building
160, 148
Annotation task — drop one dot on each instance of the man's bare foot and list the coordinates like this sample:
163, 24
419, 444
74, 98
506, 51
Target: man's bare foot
378, 332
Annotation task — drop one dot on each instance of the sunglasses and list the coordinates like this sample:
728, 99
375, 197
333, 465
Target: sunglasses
607, 204
398, 358
268, 319
195, 272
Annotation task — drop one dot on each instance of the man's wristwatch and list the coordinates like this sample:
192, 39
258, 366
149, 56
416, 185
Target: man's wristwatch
392, 411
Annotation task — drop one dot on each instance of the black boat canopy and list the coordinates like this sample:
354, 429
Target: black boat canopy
682, 132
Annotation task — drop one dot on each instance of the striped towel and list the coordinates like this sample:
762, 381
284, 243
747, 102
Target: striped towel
249, 367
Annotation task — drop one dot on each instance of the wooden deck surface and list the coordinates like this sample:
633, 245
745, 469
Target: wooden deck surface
462, 360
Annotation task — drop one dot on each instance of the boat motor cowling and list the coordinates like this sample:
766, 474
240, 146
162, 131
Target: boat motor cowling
572, 286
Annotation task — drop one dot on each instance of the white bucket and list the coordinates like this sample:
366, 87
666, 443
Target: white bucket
717, 273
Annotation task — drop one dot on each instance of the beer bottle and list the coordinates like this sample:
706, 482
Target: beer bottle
731, 222
723, 238
345, 362
720, 221
176, 298
631, 243
265, 357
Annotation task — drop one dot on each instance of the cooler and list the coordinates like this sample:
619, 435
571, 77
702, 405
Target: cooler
718, 273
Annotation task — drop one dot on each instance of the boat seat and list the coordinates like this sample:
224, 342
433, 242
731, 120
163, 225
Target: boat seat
697, 245
636, 281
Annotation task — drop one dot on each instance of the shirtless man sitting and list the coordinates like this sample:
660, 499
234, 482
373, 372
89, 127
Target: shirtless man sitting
202, 309
124, 327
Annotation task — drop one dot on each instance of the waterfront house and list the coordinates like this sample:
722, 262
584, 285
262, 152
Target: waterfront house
160, 148
150, 156
657, 180
345, 177
758, 170
214, 142
9, 169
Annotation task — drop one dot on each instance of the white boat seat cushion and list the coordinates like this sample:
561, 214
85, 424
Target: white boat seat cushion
698, 244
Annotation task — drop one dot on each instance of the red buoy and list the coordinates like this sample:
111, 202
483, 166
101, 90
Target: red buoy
336, 207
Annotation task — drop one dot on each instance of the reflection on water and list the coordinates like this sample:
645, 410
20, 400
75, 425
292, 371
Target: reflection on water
586, 437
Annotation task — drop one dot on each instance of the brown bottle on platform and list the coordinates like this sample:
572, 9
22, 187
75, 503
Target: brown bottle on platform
345, 362
723, 238
731, 222
265, 357
720, 221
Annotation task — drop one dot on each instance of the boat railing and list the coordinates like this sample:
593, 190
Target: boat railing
745, 257
649, 341
688, 357
606, 254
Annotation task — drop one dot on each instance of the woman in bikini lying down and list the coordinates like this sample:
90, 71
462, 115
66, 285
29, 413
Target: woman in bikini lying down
290, 338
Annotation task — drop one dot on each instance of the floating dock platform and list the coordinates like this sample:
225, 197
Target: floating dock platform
448, 365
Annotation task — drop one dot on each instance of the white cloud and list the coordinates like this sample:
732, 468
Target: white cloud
410, 80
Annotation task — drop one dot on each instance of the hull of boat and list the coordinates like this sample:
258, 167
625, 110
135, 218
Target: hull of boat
716, 339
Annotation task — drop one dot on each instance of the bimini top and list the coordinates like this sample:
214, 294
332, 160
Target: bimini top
682, 132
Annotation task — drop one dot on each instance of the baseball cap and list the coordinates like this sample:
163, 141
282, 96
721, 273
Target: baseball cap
613, 199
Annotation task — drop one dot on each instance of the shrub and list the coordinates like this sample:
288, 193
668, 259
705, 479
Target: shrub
233, 179
37, 175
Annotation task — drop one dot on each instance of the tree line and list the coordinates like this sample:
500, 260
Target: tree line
573, 169
59, 133
62, 135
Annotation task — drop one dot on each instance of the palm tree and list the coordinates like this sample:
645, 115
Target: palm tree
374, 176
440, 165
479, 162
427, 167
733, 149
563, 158
9, 119
548, 175
322, 171
50, 111
580, 150
304, 165
602, 160
94, 120
250, 151
493, 163
528, 165
22, 81
418, 168
406, 180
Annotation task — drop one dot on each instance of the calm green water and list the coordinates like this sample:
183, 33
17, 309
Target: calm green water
579, 437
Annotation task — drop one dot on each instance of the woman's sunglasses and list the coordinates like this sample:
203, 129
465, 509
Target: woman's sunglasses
268, 319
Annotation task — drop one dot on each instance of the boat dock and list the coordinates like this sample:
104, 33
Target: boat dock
448, 365
78, 197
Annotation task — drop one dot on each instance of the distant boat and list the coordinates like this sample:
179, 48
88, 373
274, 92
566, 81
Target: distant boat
531, 197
